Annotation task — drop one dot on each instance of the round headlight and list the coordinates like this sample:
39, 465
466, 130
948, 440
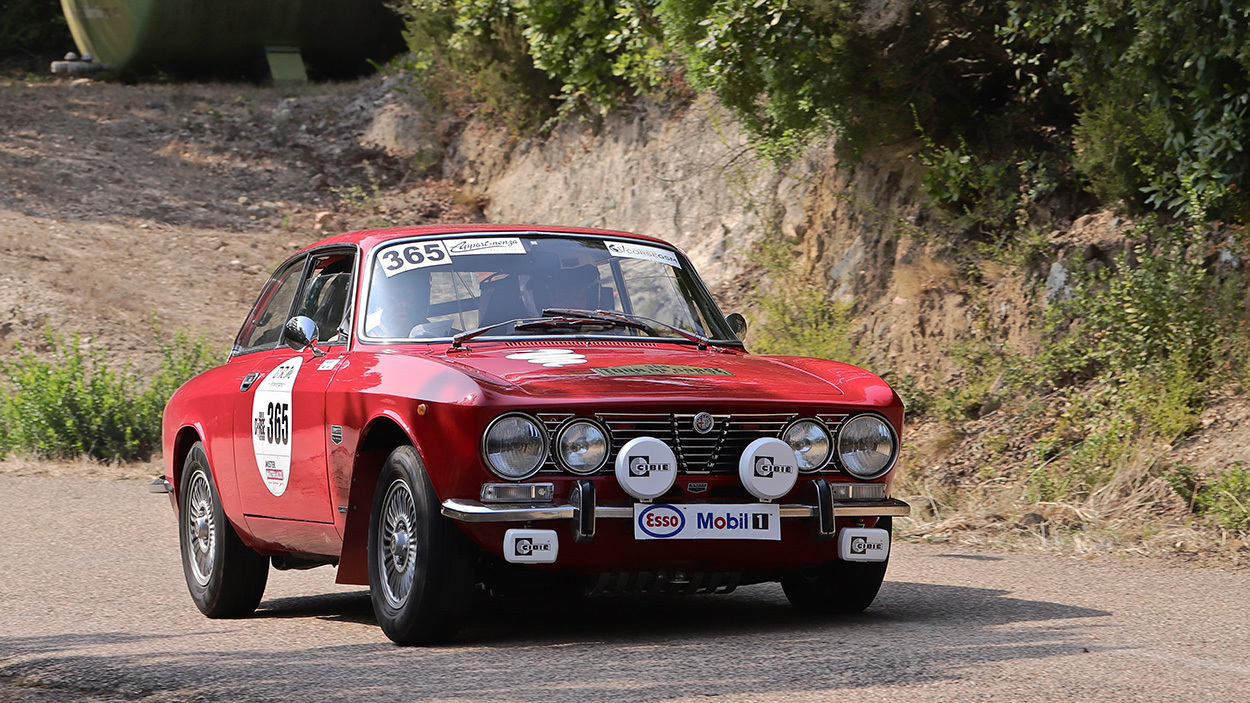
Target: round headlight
515, 446
582, 447
866, 446
811, 444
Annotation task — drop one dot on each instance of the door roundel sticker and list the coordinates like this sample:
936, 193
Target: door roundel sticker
271, 425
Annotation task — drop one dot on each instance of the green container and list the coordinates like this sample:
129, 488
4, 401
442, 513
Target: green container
334, 36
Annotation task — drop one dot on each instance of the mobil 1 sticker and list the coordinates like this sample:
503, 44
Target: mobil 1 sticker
413, 255
722, 521
271, 425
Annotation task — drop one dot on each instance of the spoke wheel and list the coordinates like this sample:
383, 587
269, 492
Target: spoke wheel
226, 578
201, 529
421, 567
398, 549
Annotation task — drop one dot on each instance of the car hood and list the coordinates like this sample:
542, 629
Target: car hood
651, 370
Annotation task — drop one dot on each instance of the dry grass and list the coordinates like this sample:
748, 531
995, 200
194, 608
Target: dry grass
1134, 513
83, 467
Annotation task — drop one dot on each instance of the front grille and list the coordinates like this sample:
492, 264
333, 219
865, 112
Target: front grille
716, 452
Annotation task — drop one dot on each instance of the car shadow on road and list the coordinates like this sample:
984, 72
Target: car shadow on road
600, 648
760, 608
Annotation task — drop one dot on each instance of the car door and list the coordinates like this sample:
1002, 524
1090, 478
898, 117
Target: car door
280, 410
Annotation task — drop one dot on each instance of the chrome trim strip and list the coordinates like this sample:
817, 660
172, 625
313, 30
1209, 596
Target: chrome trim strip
160, 485
473, 511
891, 507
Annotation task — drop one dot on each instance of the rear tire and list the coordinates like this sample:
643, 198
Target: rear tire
226, 577
420, 565
839, 587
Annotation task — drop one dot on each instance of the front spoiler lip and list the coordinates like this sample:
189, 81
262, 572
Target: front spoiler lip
474, 511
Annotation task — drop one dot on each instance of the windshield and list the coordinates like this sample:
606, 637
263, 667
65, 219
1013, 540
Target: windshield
433, 289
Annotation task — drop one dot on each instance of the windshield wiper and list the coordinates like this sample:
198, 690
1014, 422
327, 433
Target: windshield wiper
546, 322
638, 322
457, 341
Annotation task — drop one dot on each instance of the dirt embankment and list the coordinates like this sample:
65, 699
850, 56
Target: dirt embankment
128, 206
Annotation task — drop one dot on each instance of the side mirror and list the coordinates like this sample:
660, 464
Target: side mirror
738, 324
300, 333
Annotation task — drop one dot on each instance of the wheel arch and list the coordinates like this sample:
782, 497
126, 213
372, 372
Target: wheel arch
186, 438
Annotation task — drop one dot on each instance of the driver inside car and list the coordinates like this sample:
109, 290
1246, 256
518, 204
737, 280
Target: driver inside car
573, 288
401, 308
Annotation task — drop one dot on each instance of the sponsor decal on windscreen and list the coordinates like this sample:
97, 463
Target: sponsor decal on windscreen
725, 521
415, 255
644, 252
491, 245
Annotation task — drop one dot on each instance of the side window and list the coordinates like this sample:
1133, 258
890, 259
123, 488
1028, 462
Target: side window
326, 295
263, 330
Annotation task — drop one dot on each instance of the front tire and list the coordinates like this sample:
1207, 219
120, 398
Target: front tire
226, 577
839, 587
420, 565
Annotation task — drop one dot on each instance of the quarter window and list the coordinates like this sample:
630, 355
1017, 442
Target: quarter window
263, 329
326, 295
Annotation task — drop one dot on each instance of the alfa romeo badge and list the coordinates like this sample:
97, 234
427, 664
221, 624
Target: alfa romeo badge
704, 422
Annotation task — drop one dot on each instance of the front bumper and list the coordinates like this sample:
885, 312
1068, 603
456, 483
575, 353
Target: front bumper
583, 511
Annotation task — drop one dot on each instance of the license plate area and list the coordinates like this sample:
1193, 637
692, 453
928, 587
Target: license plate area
753, 521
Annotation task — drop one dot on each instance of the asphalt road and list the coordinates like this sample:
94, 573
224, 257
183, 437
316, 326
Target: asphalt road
93, 607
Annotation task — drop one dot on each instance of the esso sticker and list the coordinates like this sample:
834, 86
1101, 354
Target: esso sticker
768, 468
271, 425
646, 468
413, 255
660, 521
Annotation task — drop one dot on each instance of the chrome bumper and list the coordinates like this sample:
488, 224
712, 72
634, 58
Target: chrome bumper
160, 485
473, 511
583, 510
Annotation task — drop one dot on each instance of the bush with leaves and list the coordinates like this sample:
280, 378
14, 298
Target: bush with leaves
1162, 91
1224, 499
524, 60
71, 402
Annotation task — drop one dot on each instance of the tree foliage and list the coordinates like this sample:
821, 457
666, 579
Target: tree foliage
1148, 101
1161, 91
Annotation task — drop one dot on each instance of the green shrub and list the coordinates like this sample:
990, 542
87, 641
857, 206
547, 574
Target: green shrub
1117, 149
1223, 499
70, 402
1163, 310
476, 50
600, 52
1132, 354
797, 318
1177, 74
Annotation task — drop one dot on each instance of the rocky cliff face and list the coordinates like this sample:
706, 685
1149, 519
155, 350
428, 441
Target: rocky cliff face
690, 178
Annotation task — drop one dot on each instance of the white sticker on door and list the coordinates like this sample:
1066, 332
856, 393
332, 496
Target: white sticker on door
271, 425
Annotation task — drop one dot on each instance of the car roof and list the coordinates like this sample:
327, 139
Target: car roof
370, 238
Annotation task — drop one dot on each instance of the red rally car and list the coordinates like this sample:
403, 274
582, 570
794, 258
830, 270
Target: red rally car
440, 409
